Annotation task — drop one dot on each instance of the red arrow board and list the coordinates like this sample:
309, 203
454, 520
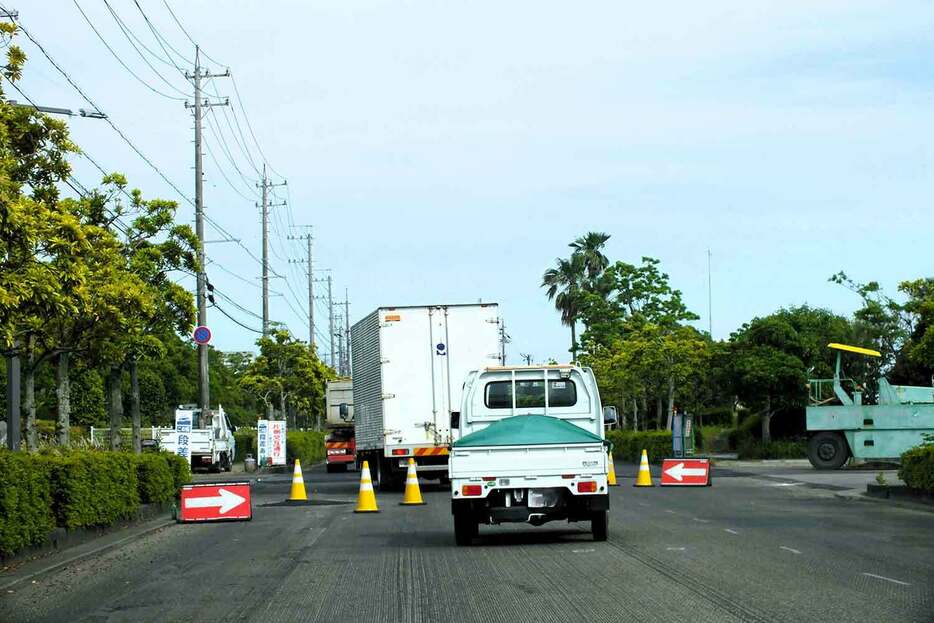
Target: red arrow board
216, 502
686, 472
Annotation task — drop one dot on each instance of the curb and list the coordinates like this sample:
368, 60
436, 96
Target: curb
85, 555
855, 496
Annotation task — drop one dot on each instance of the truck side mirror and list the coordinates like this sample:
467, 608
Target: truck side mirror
609, 416
455, 420
344, 411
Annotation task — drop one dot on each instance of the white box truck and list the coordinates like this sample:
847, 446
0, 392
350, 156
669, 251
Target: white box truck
409, 367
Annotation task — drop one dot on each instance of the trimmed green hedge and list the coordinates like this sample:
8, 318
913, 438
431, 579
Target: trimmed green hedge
917, 469
305, 445
94, 488
781, 449
78, 489
26, 515
628, 445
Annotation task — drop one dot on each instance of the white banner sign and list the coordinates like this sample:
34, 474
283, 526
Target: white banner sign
277, 442
183, 434
262, 442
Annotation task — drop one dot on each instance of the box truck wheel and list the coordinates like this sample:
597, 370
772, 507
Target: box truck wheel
600, 525
828, 450
465, 527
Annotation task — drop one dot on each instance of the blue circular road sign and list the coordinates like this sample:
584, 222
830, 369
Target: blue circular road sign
202, 335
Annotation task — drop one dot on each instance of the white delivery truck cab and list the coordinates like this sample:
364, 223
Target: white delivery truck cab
409, 366
531, 449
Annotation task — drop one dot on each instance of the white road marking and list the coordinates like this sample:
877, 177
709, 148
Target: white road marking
882, 577
671, 512
582, 551
789, 549
698, 519
731, 531
786, 484
675, 549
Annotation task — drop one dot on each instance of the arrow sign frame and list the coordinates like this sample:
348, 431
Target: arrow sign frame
215, 501
685, 472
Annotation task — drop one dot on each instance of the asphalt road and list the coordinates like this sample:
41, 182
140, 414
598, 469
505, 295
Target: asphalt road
746, 549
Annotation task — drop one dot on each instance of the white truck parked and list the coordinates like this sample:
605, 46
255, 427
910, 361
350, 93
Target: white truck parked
211, 440
409, 365
525, 454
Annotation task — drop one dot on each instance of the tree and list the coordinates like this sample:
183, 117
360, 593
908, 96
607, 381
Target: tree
564, 285
589, 248
287, 371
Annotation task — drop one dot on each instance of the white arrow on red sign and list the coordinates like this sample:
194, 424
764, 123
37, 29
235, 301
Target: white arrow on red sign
224, 501
679, 471
686, 472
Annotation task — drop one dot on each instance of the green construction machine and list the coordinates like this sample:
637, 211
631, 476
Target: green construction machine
840, 425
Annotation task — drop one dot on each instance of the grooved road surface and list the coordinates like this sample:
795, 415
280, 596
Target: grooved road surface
746, 549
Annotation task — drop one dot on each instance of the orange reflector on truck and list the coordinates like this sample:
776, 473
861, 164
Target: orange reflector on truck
489, 478
471, 490
568, 476
587, 486
400, 452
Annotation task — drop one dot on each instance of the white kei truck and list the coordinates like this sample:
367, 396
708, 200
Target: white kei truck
211, 441
531, 449
409, 365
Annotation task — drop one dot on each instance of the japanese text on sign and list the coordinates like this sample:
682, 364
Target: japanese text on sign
183, 434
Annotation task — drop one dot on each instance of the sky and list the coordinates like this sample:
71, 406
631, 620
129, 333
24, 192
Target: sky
449, 152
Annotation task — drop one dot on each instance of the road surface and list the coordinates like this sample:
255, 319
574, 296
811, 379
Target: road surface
745, 549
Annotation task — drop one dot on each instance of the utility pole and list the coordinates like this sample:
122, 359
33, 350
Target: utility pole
340, 349
527, 357
311, 286
266, 185
503, 340
204, 395
347, 370
331, 321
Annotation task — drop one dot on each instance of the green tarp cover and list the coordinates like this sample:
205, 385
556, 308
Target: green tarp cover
527, 430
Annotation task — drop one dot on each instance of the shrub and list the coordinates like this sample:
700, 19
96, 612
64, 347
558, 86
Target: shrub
308, 446
26, 516
246, 442
628, 445
917, 468
178, 467
156, 479
781, 449
94, 488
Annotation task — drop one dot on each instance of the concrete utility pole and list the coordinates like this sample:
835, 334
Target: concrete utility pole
204, 396
331, 321
340, 350
311, 285
347, 370
266, 185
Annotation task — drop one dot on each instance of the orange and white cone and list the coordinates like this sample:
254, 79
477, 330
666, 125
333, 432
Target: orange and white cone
644, 479
366, 501
298, 484
611, 474
413, 495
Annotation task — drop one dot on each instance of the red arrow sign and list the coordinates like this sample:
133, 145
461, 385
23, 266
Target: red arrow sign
216, 502
686, 472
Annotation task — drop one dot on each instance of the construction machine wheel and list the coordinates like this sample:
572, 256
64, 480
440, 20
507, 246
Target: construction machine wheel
600, 525
828, 450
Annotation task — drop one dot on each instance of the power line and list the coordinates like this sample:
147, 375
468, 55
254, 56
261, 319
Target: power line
162, 41
182, 28
234, 320
116, 56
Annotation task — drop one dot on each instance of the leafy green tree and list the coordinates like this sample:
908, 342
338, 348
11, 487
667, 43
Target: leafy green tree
589, 248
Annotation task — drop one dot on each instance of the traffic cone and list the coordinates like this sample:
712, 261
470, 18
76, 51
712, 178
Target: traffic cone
413, 495
611, 476
366, 501
298, 484
644, 479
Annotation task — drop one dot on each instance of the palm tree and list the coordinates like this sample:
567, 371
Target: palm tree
564, 285
590, 248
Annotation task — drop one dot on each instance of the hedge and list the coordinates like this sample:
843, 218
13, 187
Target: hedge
628, 445
917, 468
782, 449
246, 443
78, 489
94, 488
305, 445
26, 515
